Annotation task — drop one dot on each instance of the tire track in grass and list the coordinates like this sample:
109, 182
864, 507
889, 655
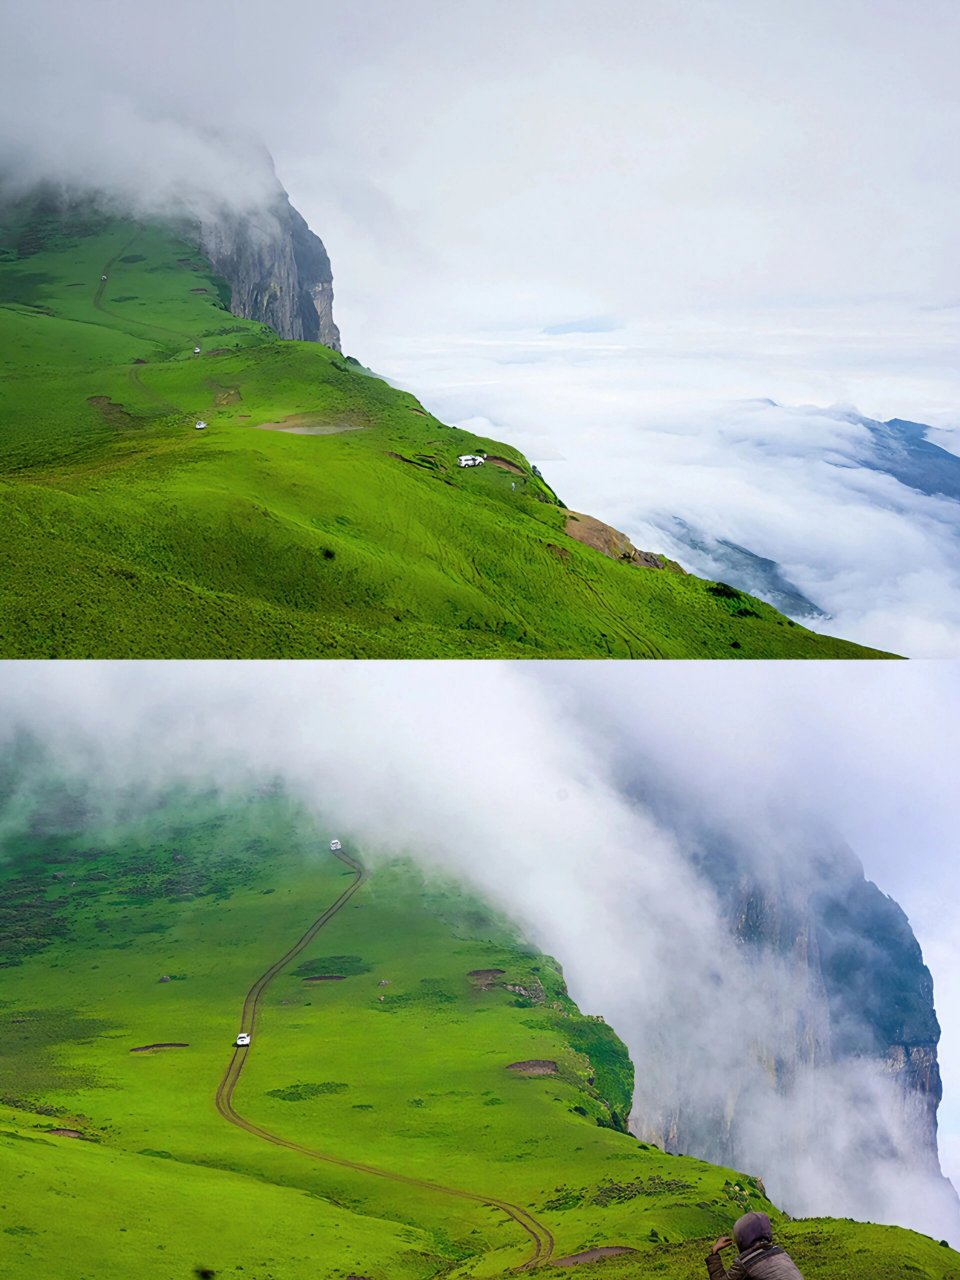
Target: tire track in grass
541, 1239
105, 275
132, 324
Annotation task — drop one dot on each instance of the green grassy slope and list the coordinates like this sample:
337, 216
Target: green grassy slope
127, 533
400, 1061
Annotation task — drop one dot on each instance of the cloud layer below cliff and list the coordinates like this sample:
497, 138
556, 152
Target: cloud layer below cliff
640, 426
403, 759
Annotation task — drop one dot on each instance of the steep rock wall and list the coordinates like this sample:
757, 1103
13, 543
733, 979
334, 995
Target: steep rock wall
869, 995
277, 268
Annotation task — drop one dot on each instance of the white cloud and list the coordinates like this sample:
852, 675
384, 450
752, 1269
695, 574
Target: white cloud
639, 427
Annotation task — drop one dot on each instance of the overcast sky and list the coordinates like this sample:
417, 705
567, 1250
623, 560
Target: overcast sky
501, 163
593, 230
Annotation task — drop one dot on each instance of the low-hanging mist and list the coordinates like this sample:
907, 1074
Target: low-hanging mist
574, 802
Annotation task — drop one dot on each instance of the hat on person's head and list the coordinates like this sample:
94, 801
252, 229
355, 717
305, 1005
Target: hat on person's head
751, 1228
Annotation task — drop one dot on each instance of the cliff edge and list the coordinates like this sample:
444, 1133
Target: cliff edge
278, 270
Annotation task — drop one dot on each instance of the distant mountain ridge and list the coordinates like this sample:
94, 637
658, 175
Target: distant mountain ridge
897, 448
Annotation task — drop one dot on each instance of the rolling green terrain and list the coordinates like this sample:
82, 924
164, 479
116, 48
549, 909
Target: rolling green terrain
128, 944
129, 533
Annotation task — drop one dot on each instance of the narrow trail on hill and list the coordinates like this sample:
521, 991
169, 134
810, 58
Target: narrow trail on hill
127, 320
105, 274
541, 1238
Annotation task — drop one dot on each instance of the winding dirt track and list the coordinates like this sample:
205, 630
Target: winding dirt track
540, 1237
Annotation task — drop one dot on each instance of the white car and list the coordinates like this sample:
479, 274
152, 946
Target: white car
242, 1040
335, 845
201, 425
196, 351
470, 460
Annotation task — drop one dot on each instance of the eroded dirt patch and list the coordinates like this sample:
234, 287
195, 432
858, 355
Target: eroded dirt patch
114, 414
411, 462
534, 1067
166, 1044
593, 1255
65, 1133
506, 465
326, 977
485, 978
223, 394
304, 425
609, 541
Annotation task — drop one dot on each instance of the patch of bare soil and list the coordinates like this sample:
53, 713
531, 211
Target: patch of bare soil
149, 1048
223, 394
534, 1067
561, 553
592, 1255
114, 414
65, 1133
327, 977
609, 541
199, 290
304, 425
485, 978
506, 465
185, 262
409, 461
219, 351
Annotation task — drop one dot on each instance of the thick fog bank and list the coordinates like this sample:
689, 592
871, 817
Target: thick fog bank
577, 800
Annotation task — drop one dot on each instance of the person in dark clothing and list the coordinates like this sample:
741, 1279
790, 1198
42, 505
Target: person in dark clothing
759, 1259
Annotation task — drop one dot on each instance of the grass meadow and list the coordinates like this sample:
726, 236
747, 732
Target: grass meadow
348, 532
387, 1042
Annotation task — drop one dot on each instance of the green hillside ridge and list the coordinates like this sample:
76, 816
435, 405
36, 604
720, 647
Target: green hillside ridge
387, 1041
128, 533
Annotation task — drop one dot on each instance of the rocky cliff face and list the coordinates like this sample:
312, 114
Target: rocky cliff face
278, 270
869, 996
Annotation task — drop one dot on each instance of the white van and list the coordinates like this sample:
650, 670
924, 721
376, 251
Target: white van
335, 846
470, 460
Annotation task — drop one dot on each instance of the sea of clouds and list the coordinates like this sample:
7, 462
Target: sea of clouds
718, 424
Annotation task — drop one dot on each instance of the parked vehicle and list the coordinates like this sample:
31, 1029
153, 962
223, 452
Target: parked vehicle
242, 1040
335, 846
470, 460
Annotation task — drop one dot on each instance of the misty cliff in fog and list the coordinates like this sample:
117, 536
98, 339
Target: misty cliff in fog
863, 994
278, 270
235, 211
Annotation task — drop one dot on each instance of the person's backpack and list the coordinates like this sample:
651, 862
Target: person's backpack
755, 1262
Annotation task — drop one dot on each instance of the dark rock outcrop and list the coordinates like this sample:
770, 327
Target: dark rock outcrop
277, 269
869, 993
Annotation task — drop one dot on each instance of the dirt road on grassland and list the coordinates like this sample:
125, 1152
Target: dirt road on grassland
542, 1242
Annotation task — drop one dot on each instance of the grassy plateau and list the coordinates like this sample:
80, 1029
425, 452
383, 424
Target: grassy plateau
320, 514
381, 1060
